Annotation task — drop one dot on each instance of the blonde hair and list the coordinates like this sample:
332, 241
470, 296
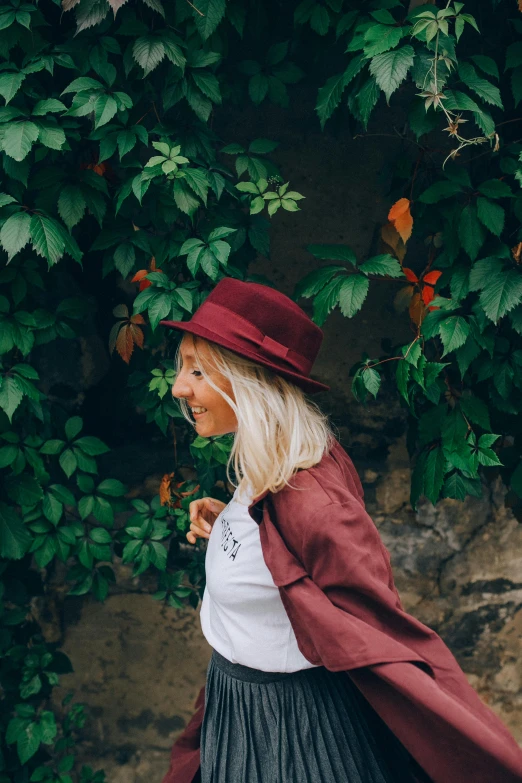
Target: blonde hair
279, 431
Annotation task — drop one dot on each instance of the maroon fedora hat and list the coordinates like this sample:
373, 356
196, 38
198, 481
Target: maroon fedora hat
262, 324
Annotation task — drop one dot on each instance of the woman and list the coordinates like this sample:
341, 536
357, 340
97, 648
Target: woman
317, 673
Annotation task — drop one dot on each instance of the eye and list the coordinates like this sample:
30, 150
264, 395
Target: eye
195, 371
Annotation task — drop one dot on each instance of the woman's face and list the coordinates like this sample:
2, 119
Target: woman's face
219, 418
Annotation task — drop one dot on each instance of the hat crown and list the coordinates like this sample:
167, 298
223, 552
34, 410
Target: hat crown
264, 325
272, 312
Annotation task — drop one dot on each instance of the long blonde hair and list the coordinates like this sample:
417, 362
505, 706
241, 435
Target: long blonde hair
279, 432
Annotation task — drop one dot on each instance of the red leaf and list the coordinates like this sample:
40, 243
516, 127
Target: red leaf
427, 294
432, 277
143, 272
410, 275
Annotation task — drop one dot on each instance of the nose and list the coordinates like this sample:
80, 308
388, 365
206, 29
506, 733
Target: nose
180, 387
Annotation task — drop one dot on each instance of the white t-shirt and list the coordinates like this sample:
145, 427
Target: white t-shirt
242, 615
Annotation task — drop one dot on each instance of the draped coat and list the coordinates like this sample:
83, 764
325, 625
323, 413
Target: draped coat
334, 576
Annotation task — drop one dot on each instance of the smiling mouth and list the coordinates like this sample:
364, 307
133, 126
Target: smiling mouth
197, 415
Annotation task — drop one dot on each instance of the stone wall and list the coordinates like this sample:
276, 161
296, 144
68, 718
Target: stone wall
458, 566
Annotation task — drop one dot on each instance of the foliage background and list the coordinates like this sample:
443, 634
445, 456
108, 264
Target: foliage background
112, 170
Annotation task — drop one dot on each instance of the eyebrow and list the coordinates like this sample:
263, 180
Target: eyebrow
186, 355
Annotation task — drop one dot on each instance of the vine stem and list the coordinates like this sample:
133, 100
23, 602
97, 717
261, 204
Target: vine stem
143, 116
393, 358
156, 113
195, 9
389, 136
453, 120
419, 158
508, 122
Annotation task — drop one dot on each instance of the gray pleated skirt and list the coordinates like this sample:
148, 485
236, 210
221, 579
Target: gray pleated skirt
310, 726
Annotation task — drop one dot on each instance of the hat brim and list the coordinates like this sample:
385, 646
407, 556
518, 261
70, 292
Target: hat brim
307, 384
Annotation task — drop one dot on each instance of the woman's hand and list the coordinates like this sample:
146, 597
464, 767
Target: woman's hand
203, 513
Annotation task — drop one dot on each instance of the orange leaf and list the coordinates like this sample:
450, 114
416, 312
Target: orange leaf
402, 298
190, 492
164, 490
137, 319
410, 274
416, 309
401, 218
129, 335
432, 277
125, 343
176, 493
98, 168
139, 275
520, 5
137, 335
399, 208
392, 240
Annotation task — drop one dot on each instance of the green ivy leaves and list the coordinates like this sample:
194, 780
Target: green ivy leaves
348, 291
390, 69
250, 160
271, 77
92, 97
501, 288
169, 160
379, 63
75, 452
29, 730
208, 254
16, 384
146, 529
47, 236
330, 95
282, 197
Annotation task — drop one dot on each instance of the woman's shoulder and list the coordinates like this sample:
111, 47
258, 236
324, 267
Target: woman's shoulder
333, 480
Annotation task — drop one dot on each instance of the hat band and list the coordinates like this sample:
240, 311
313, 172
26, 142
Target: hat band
246, 334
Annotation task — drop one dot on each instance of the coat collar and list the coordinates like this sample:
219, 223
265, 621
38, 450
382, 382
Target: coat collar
255, 509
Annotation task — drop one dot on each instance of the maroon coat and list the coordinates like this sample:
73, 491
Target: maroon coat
333, 572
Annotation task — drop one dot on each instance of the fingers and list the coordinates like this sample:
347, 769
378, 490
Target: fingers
199, 527
203, 513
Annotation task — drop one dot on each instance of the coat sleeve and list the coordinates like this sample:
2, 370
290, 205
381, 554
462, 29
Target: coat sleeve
336, 585
185, 755
343, 552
